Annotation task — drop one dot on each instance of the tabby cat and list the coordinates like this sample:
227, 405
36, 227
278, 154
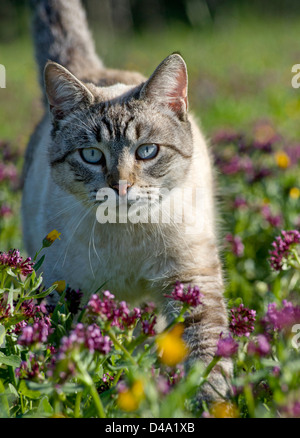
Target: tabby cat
103, 126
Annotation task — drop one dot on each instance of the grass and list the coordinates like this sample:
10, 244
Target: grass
240, 82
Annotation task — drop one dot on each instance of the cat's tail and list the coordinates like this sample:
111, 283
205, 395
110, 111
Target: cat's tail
61, 34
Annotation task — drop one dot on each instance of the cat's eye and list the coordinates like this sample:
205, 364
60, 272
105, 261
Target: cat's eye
91, 155
147, 151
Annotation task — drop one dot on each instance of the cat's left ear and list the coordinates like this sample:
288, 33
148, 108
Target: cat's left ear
64, 91
168, 85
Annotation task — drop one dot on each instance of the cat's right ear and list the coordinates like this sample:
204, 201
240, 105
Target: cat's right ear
64, 91
168, 86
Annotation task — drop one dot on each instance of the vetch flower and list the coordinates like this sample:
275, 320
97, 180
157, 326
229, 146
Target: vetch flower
273, 220
108, 309
13, 260
282, 248
50, 238
279, 319
171, 347
226, 347
36, 333
236, 244
192, 296
261, 347
242, 320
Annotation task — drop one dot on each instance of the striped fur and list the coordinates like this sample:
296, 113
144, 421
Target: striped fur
116, 112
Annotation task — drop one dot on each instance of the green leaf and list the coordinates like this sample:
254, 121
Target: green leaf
12, 360
10, 272
10, 298
41, 388
24, 390
44, 407
42, 294
4, 406
39, 263
2, 336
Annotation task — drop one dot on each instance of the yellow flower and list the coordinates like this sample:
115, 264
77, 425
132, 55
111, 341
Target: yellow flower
282, 159
49, 239
224, 410
171, 347
295, 193
60, 286
129, 399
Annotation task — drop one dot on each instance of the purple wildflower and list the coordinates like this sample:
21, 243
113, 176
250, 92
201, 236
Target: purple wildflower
291, 410
236, 244
30, 372
240, 202
73, 299
13, 260
260, 348
148, 326
36, 333
279, 319
118, 314
293, 151
226, 136
5, 210
8, 172
273, 220
192, 296
282, 248
4, 309
90, 337
226, 347
242, 320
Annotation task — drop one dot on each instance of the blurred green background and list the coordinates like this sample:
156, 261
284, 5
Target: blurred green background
239, 56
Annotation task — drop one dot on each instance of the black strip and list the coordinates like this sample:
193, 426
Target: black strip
108, 125
61, 159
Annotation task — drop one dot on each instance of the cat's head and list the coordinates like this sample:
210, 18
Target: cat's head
104, 135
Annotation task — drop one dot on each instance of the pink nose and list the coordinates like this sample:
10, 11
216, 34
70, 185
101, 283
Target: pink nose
122, 187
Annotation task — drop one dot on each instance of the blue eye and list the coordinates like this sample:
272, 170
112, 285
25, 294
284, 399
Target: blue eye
147, 151
91, 155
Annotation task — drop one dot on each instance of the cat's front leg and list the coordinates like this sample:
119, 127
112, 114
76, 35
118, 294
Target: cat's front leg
202, 333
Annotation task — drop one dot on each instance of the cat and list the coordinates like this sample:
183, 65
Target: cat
103, 126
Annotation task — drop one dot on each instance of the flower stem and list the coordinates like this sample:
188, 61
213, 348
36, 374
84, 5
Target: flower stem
210, 366
77, 404
249, 400
4, 275
88, 381
121, 347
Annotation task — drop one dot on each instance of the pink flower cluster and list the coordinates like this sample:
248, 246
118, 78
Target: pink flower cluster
275, 220
31, 371
36, 333
242, 320
13, 260
236, 244
260, 348
226, 347
118, 313
279, 319
192, 296
282, 247
88, 336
